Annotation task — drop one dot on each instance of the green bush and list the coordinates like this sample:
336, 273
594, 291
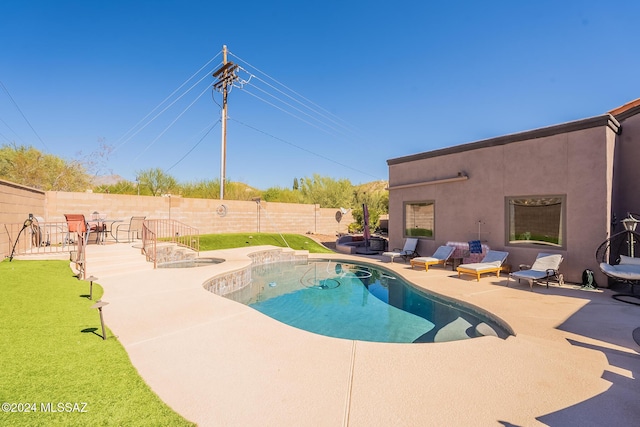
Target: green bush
418, 232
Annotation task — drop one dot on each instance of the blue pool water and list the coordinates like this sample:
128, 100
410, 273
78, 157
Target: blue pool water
361, 302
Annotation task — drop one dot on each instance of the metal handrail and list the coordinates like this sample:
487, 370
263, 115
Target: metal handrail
149, 243
170, 231
48, 237
41, 237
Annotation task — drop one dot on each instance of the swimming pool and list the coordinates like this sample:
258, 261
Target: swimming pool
360, 302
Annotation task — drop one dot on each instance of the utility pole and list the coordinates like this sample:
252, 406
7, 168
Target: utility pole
225, 76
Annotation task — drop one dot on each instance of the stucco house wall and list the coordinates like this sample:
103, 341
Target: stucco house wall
627, 166
573, 160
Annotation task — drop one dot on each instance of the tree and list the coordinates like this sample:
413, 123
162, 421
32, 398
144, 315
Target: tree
326, 191
120, 187
95, 163
295, 184
157, 181
28, 166
376, 197
207, 189
281, 195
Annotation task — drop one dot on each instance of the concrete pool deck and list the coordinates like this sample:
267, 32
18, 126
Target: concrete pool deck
573, 360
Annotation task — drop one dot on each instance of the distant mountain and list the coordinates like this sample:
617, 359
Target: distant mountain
372, 186
106, 180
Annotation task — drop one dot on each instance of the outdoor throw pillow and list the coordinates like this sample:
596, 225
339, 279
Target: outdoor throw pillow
475, 247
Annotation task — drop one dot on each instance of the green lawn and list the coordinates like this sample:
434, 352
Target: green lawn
52, 353
210, 242
53, 356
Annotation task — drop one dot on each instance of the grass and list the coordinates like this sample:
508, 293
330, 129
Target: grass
209, 242
52, 352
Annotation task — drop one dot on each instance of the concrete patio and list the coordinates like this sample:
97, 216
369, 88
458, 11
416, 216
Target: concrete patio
573, 361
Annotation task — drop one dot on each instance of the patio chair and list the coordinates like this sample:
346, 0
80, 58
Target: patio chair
491, 263
545, 266
76, 224
440, 256
407, 252
133, 228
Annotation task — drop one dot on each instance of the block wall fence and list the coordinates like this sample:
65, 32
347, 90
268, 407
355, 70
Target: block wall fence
207, 215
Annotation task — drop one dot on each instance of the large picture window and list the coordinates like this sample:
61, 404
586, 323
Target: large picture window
536, 220
419, 219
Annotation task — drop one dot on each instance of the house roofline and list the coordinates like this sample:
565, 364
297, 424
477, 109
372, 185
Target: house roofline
604, 120
626, 111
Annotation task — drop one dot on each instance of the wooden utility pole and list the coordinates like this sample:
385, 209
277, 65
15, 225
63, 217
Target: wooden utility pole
225, 76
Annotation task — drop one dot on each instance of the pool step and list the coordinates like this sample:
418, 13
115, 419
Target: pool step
456, 330
484, 330
115, 259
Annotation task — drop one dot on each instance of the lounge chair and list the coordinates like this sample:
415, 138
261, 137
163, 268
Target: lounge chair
545, 266
440, 256
491, 263
407, 252
133, 228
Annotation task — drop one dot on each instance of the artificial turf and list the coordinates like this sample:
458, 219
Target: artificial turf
210, 242
53, 357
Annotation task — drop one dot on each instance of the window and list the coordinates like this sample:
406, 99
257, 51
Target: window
536, 220
419, 219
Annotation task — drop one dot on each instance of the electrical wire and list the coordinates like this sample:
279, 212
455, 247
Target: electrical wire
194, 147
287, 112
163, 101
309, 112
284, 86
172, 123
305, 149
296, 109
23, 116
324, 116
14, 132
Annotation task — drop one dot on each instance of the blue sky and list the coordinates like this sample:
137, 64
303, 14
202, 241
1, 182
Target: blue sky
334, 88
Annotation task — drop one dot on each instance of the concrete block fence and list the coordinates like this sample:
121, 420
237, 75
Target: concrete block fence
207, 215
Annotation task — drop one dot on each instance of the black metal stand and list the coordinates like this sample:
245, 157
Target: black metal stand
27, 223
626, 296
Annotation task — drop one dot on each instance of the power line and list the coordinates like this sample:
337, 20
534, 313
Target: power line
23, 116
163, 102
14, 132
285, 111
194, 147
294, 108
289, 89
304, 149
171, 124
313, 110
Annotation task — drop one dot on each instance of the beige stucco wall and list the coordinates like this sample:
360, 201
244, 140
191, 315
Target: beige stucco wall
240, 217
575, 164
16, 202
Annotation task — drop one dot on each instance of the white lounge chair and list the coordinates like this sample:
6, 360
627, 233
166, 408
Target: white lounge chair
491, 263
440, 256
545, 266
408, 251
